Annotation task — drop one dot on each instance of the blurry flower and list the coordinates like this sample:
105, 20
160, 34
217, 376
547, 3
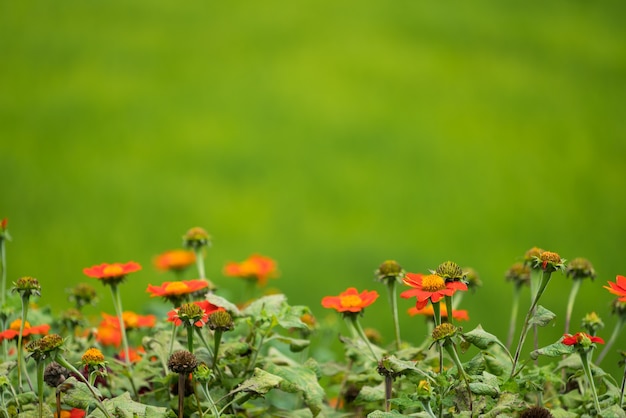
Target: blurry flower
176, 292
27, 286
109, 331
220, 320
182, 362
4, 233
42, 348
176, 260
83, 294
112, 274
134, 354
14, 329
72, 318
519, 274
618, 288
581, 339
592, 323
192, 314
536, 412
580, 268
472, 278
256, 267
389, 271
443, 331
429, 287
3, 224
55, 374
196, 238
618, 308
72, 413
350, 300
459, 315
531, 254
373, 335
449, 271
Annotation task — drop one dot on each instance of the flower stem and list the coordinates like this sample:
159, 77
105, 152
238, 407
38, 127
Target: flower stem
393, 301
428, 409
611, 341
621, 392
207, 394
451, 349
217, 338
570, 302
361, 333
63, 362
20, 352
181, 394
200, 262
190, 338
584, 357
172, 340
3, 270
40, 370
117, 304
514, 311
448, 300
545, 279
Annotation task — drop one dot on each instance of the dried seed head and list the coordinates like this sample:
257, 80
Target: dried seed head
27, 286
390, 271
220, 320
580, 268
531, 254
443, 331
450, 271
182, 362
536, 412
55, 374
519, 274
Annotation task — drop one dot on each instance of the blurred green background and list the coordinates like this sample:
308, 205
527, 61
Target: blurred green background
330, 136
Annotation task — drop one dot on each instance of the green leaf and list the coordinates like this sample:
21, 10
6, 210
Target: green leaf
78, 395
299, 378
124, 406
613, 411
553, 350
382, 414
223, 303
483, 340
265, 307
260, 383
562, 413
371, 394
295, 345
541, 317
480, 388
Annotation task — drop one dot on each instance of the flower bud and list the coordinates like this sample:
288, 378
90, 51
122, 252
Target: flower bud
390, 271
182, 362
519, 274
196, 238
220, 320
27, 286
443, 331
450, 271
580, 268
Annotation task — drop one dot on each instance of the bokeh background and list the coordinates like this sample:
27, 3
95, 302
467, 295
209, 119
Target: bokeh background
330, 136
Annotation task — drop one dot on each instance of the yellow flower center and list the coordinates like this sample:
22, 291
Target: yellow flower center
350, 301
113, 270
432, 283
550, 257
176, 288
93, 356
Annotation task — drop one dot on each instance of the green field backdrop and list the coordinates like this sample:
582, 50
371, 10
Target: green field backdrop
328, 135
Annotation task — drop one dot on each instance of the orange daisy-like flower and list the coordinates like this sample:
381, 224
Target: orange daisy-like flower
581, 339
112, 273
109, 331
618, 288
350, 300
73, 413
176, 260
176, 292
256, 267
14, 330
134, 355
458, 314
429, 287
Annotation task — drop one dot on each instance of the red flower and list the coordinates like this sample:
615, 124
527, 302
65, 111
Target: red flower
14, 330
174, 260
3, 223
256, 267
109, 331
176, 289
429, 287
112, 273
618, 288
350, 300
135, 355
581, 338
459, 315
195, 313
73, 413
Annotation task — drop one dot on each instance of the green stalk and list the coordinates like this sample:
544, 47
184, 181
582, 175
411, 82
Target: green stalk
20, 352
181, 394
117, 304
584, 357
428, 409
514, 311
217, 338
359, 330
172, 340
63, 362
570, 302
393, 301
545, 279
621, 392
207, 394
611, 341
451, 349
448, 300
437, 317
200, 262
3, 263
190, 338
40, 370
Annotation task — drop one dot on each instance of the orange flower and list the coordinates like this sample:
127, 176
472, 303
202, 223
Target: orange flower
112, 273
459, 315
14, 330
350, 300
176, 260
3, 223
256, 267
73, 413
134, 355
429, 287
618, 288
176, 292
581, 339
109, 332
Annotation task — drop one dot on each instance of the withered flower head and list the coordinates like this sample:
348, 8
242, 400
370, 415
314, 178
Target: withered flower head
196, 238
531, 254
580, 268
182, 362
519, 274
390, 271
450, 271
83, 294
27, 286
220, 320
443, 331
55, 374
536, 412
